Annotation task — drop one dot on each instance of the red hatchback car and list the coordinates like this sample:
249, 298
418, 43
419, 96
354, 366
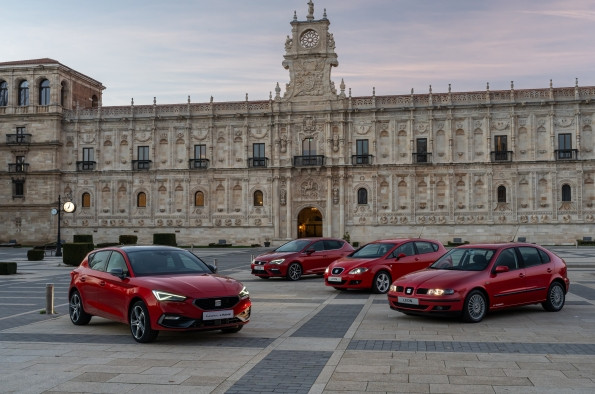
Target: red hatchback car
154, 288
471, 280
375, 265
300, 257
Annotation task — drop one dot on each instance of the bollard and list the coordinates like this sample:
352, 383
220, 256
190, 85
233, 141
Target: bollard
215, 263
49, 298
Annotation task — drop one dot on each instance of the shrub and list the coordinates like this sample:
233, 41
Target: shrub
106, 244
83, 238
582, 242
8, 268
128, 239
164, 239
35, 254
74, 253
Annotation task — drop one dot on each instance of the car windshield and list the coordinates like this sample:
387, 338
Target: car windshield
166, 262
373, 250
465, 259
293, 246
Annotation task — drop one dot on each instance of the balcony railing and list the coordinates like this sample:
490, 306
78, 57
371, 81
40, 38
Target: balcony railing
422, 158
566, 154
258, 162
18, 167
141, 164
501, 155
313, 160
18, 139
195, 164
85, 165
361, 159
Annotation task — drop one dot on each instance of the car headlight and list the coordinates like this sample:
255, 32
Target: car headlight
244, 293
278, 261
393, 288
439, 292
165, 296
357, 271
326, 270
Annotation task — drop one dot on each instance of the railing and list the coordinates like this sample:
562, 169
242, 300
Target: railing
501, 155
198, 164
141, 164
85, 165
18, 138
422, 158
258, 162
361, 159
314, 160
18, 167
566, 154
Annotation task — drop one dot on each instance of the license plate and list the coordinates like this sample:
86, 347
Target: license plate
406, 300
215, 315
334, 279
258, 268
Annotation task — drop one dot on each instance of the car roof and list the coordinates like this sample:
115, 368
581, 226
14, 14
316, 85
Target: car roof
131, 248
496, 245
400, 240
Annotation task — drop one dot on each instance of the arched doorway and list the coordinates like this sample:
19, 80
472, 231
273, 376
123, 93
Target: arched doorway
309, 223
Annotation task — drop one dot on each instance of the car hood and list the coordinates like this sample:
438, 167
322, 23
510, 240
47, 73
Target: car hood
435, 277
195, 286
273, 256
352, 262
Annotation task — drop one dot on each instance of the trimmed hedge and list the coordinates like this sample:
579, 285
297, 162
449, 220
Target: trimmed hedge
35, 254
74, 253
106, 244
82, 238
128, 239
8, 268
165, 239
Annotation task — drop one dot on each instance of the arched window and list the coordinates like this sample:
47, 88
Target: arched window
362, 196
94, 101
566, 193
199, 199
258, 199
141, 200
501, 193
86, 199
24, 93
62, 94
44, 92
3, 94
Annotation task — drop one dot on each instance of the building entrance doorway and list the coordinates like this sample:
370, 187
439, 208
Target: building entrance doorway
309, 223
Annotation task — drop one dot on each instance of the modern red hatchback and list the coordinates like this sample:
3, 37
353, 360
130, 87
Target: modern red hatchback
155, 288
375, 265
300, 257
471, 280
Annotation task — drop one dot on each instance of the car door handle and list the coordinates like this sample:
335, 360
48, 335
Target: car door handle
102, 283
83, 278
521, 275
549, 270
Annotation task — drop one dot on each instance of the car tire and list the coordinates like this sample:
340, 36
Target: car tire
294, 271
264, 277
381, 282
555, 298
231, 330
140, 323
77, 313
475, 307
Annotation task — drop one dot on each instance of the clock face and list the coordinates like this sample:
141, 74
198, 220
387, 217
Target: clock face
309, 39
69, 207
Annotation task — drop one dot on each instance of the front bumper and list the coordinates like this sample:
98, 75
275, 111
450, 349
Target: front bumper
194, 319
361, 281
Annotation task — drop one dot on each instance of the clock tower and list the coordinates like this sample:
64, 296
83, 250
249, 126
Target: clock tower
309, 57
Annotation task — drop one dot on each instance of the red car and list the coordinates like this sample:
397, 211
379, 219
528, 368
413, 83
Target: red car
471, 280
300, 257
154, 288
375, 265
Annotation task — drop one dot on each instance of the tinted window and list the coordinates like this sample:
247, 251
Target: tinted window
98, 261
465, 259
373, 250
545, 258
317, 246
425, 247
166, 262
530, 256
406, 249
293, 246
330, 244
508, 258
116, 260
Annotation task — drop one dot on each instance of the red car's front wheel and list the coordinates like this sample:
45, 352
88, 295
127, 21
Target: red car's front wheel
140, 324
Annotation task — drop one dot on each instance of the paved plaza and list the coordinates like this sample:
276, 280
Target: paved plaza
303, 337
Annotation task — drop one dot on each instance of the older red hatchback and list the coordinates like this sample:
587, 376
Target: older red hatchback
375, 265
154, 288
471, 280
300, 257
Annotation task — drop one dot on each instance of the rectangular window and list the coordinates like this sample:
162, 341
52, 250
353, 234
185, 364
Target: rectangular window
421, 145
143, 162
361, 152
308, 147
20, 135
200, 151
500, 148
88, 154
258, 156
18, 187
564, 146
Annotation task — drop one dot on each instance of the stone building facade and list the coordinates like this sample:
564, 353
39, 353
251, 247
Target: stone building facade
313, 160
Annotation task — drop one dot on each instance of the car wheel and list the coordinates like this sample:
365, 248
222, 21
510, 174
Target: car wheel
555, 298
381, 282
294, 271
78, 316
140, 324
475, 307
231, 330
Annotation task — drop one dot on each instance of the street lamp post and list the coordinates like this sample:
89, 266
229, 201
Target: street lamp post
68, 207
59, 242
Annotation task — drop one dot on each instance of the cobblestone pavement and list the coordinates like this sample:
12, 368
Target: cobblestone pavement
304, 337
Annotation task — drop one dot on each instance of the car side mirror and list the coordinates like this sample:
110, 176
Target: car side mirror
400, 256
310, 251
212, 268
119, 272
501, 268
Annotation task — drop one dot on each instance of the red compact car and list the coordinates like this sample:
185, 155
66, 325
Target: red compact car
300, 257
375, 265
155, 288
471, 280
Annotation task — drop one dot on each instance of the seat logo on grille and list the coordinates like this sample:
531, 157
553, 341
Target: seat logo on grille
217, 302
409, 290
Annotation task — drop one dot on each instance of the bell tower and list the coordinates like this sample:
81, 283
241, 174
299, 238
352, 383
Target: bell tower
309, 57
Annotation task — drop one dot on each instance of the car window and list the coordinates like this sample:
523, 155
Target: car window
372, 250
424, 247
508, 258
116, 260
293, 246
317, 246
545, 258
406, 248
530, 256
465, 259
98, 261
331, 244
166, 262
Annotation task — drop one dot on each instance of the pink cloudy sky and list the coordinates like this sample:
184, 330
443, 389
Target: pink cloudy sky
227, 48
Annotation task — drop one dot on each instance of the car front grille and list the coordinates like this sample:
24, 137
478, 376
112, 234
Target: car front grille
258, 262
337, 270
208, 304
